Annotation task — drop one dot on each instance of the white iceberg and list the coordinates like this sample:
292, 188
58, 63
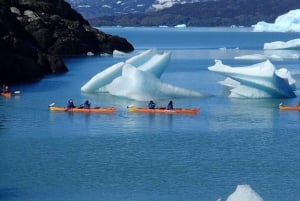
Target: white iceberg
118, 53
180, 26
142, 60
251, 57
260, 80
275, 55
291, 44
244, 193
289, 22
137, 78
141, 85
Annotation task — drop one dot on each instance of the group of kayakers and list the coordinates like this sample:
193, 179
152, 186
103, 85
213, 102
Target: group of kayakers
86, 104
152, 105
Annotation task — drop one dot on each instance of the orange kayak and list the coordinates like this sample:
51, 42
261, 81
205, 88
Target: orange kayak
282, 107
7, 95
164, 110
84, 110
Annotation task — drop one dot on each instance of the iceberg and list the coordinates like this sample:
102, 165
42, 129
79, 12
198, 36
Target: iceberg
244, 193
260, 80
291, 44
142, 60
142, 85
289, 22
137, 78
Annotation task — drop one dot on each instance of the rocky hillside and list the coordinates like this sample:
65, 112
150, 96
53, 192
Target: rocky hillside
35, 34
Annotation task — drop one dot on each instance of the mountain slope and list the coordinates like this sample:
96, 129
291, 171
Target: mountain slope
95, 8
204, 13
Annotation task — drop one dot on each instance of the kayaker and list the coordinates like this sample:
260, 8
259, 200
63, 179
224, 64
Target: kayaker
170, 105
86, 104
70, 104
5, 89
151, 105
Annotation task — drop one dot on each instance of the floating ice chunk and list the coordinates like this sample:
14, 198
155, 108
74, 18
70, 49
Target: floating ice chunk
289, 22
180, 26
260, 80
244, 193
90, 54
138, 78
251, 57
292, 44
117, 53
149, 60
142, 86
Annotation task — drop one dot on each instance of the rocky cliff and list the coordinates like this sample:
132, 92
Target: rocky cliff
36, 34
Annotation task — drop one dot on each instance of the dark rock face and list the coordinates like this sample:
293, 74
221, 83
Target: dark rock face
34, 34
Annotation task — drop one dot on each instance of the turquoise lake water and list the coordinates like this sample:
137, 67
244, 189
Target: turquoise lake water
125, 156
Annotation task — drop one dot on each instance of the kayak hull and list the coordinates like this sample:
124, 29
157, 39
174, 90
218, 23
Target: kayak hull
6, 95
281, 107
164, 110
83, 110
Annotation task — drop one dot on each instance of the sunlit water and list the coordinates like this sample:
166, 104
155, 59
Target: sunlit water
144, 157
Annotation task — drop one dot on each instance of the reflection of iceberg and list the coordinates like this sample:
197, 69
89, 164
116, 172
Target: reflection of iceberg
292, 44
244, 193
137, 78
288, 22
260, 80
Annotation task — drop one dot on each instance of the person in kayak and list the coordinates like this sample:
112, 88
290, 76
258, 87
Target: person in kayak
5, 89
151, 105
70, 104
170, 105
86, 104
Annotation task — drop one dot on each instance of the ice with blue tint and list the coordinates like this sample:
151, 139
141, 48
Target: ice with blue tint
143, 85
260, 80
277, 50
137, 78
288, 22
244, 193
291, 44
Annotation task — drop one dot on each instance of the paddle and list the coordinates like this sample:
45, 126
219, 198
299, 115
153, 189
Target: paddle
51, 105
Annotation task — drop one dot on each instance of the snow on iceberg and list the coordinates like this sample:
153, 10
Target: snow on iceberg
260, 80
137, 78
244, 193
289, 22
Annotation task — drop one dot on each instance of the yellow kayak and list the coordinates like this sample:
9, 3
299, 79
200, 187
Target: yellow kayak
83, 110
6, 95
282, 107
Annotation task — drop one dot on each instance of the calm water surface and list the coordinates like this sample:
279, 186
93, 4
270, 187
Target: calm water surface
149, 157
